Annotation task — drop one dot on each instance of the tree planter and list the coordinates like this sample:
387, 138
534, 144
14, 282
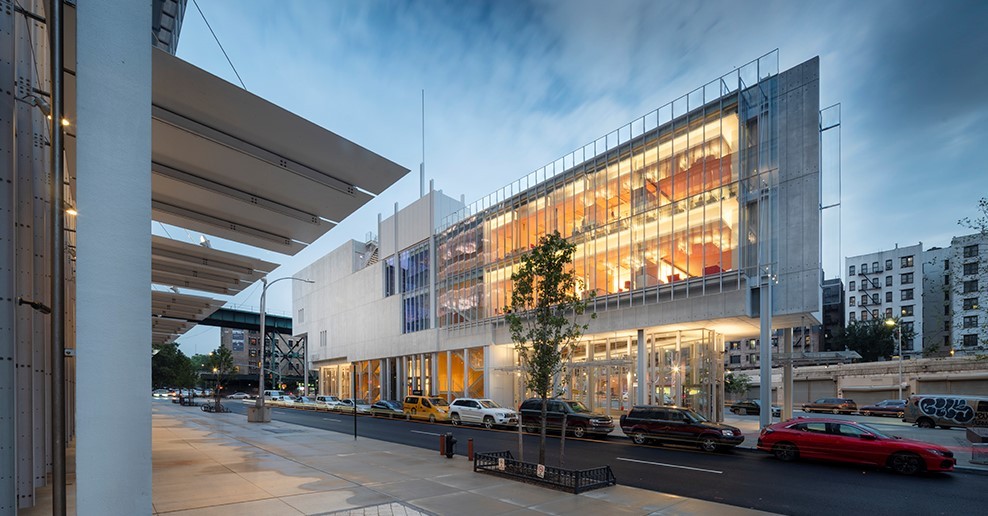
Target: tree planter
503, 464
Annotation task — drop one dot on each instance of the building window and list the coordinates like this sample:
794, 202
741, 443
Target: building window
853, 317
946, 309
851, 301
874, 267
946, 279
888, 313
907, 328
906, 278
735, 345
946, 325
971, 340
907, 310
946, 340
413, 278
946, 295
864, 315
970, 251
906, 261
850, 271
852, 286
323, 338
970, 321
389, 276
735, 359
864, 299
874, 313
970, 268
874, 299
907, 294
971, 303
888, 297
752, 344
875, 283
888, 281
946, 264
864, 268
888, 265
970, 286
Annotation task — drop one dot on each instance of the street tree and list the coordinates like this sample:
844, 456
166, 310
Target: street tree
736, 383
544, 314
220, 363
171, 368
872, 339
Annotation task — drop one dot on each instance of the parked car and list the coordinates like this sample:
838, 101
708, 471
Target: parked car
895, 408
832, 405
678, 425
347, 405
282, 399
432, 408
849, 441
482, 412
239, 396
161, 393
946, 410
272, 394
580, 421
387, 408
753, 406
329, 402
305, 400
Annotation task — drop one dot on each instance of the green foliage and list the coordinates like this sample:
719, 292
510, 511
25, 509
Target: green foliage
171, 368
199, 362
543, 315
220, 363
736, 383
872, 339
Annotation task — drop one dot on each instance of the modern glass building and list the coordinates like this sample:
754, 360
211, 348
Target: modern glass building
682, 219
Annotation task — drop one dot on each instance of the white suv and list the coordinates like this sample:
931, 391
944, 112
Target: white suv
482, 412
329, 402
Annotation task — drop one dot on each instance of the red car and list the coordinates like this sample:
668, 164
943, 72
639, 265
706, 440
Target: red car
848, 441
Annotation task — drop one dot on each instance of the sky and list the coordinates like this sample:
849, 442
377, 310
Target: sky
511, 86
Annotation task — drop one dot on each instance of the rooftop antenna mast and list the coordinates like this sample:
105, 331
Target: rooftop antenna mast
422, 165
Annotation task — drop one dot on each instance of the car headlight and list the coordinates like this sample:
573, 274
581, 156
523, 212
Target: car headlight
728, 433
936, 452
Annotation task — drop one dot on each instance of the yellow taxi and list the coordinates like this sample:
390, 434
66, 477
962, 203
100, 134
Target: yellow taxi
432, 408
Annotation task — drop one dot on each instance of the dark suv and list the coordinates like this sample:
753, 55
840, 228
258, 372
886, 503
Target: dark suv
579, 420
678, 425
832, 405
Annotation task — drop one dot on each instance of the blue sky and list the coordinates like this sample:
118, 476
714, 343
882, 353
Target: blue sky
510, 86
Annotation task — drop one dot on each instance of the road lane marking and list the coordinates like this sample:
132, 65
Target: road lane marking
426, 433
671, 465
331, 419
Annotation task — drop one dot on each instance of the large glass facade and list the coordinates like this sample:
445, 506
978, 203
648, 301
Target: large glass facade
658, 208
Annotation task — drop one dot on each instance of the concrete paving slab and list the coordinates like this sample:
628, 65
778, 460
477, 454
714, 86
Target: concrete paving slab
413, 489
269, 506
464, 502
326, 501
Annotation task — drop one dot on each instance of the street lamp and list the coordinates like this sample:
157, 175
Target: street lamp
259, 403
898, 339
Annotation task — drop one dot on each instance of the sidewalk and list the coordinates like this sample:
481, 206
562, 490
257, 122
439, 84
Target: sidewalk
218, 464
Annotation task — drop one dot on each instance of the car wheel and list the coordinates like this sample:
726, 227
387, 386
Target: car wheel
488, 422
454, 418
531, 429
786, 452
906, 463
708, 443
925, 423
836, 411
579, 431
432, 418
900, 414
639, 437
742, 412
866, 413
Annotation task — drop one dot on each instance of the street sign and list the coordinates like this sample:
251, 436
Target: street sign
500, 463
540, 470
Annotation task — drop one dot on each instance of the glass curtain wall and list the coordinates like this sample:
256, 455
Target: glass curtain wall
655, 209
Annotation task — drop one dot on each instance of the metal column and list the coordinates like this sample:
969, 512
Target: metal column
787, 374
642, 379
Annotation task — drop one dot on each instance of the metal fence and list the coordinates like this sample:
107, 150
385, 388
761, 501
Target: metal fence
574, 481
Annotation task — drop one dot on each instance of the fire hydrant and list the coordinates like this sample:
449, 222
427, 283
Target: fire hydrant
450, 444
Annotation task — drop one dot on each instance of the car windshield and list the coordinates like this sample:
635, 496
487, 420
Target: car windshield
489, 404
693, 417
873, 430
577, 406
439, 402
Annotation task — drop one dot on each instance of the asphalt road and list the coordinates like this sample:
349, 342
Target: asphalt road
739, 477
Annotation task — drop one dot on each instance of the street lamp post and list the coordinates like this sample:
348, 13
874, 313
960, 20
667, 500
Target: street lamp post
259, 403
898, 340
